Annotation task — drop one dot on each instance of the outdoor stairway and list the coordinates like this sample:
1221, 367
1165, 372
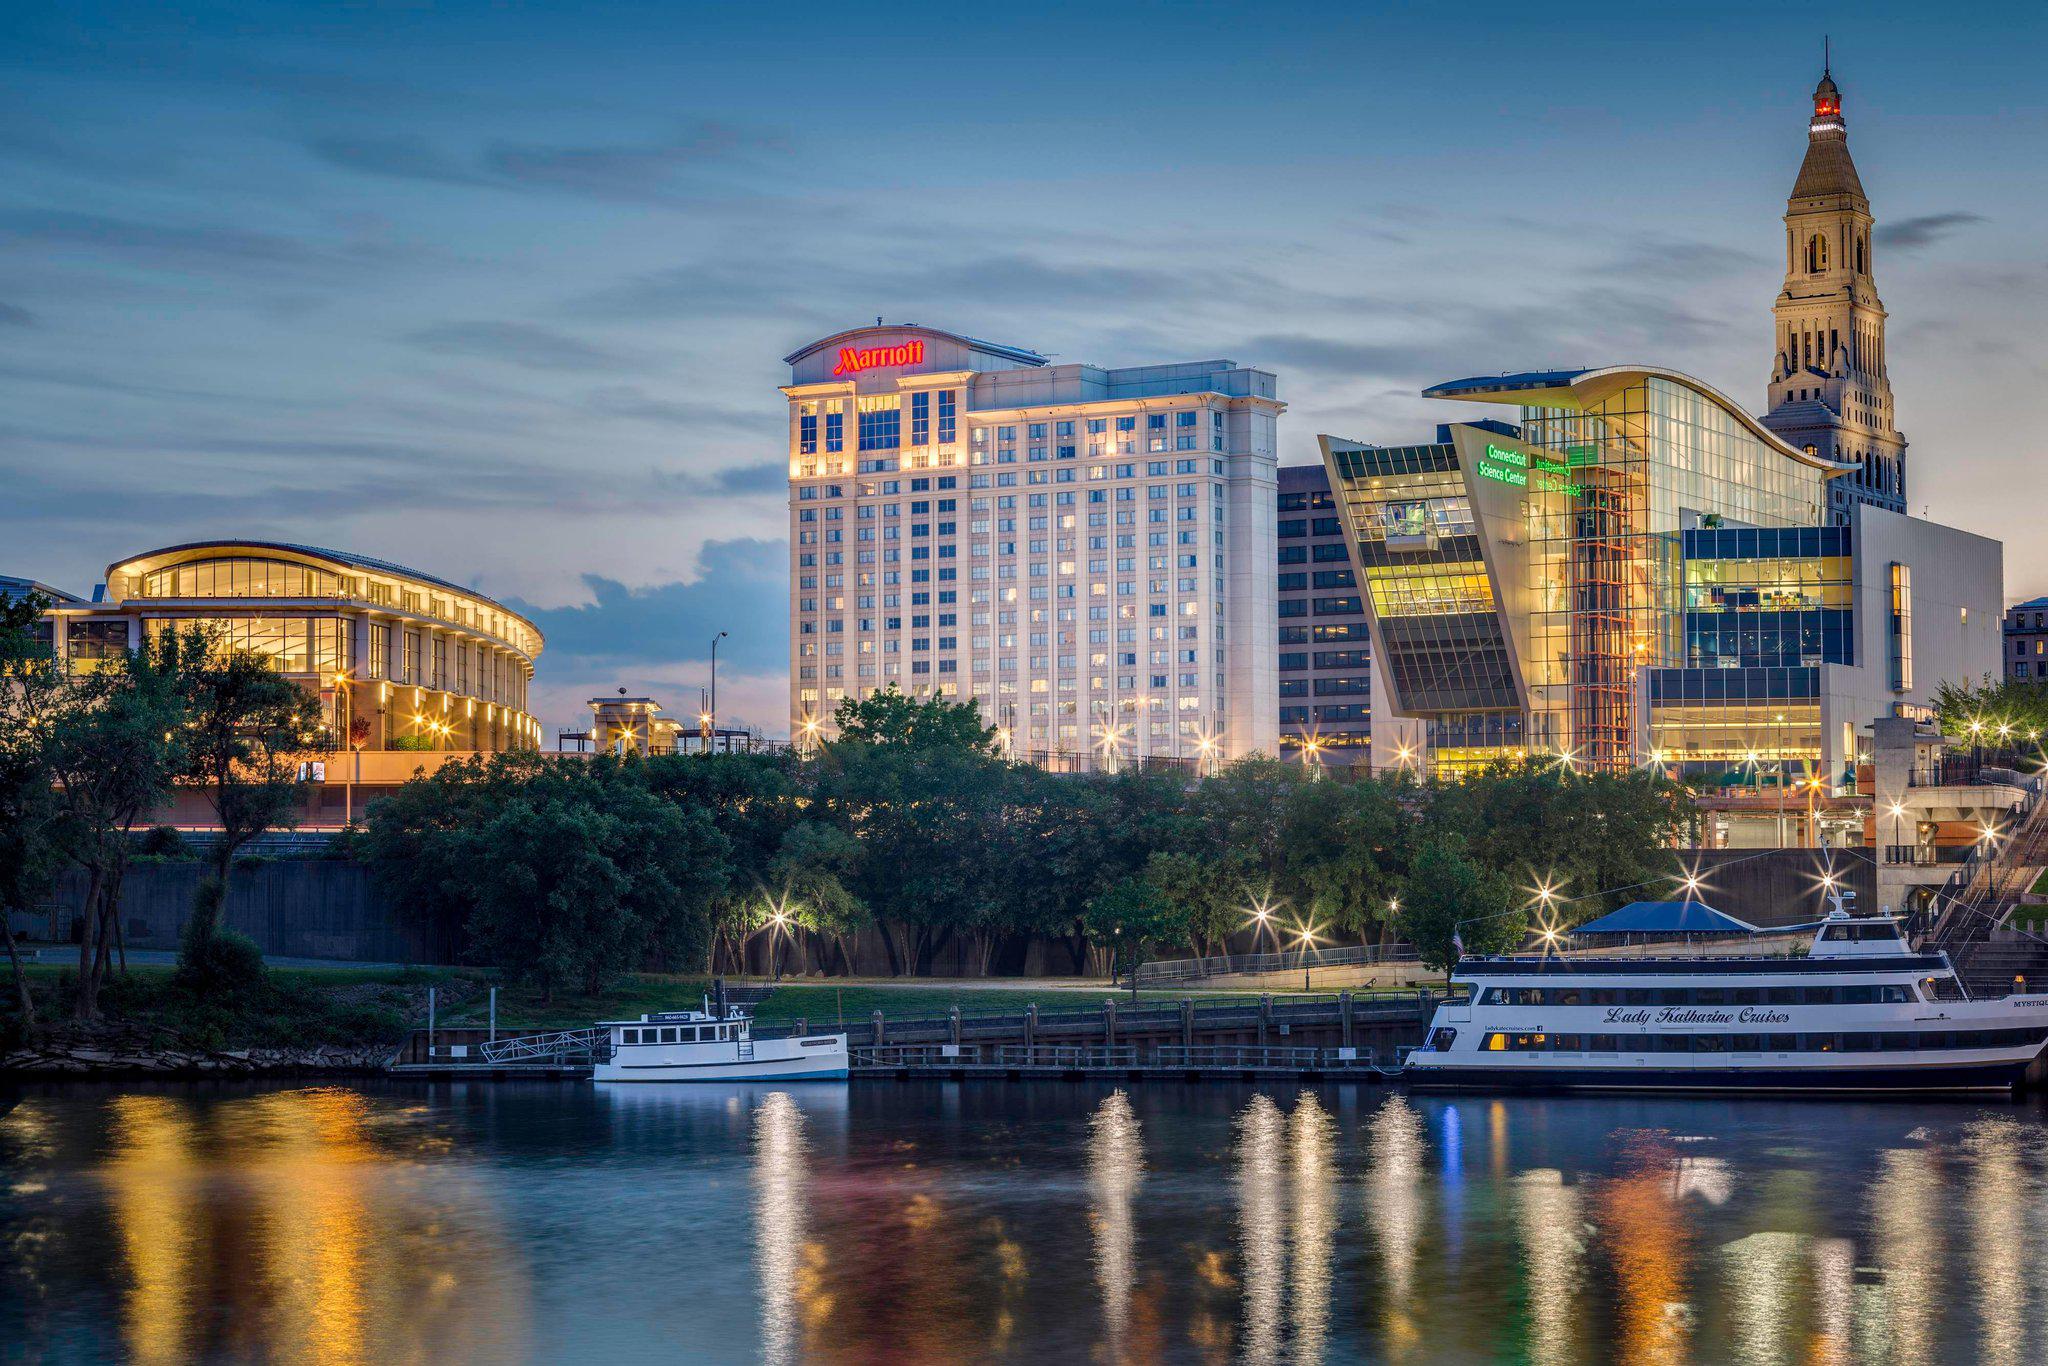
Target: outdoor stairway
1992, 958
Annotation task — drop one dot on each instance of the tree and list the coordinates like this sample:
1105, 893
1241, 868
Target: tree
562, 872
813, 873
1449, 897
1129, 917
31, 689
892, 717
248, 731
114, 753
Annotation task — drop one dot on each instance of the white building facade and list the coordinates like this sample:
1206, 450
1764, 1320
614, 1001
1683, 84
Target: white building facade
1086, 553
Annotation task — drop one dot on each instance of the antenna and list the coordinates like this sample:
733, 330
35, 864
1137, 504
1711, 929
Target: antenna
1827, 57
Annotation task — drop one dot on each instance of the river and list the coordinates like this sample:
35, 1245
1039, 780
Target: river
1039, 1222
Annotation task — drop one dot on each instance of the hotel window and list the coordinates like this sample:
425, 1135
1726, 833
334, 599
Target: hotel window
412, 658
948, 419
380, 650
920, 421
807, 434
440, 663
835, 432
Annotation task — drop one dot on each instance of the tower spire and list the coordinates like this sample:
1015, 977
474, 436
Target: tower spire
1829, 389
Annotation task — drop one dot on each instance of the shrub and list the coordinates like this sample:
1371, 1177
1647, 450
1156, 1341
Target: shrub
164, 841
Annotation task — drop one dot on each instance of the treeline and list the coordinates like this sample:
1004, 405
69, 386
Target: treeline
566, 873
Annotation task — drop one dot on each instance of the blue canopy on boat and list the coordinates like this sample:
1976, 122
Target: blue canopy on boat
1666, 917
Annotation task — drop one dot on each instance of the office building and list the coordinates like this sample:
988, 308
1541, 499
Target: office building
1086, 553
1325, 653
2026, 640
1645, 575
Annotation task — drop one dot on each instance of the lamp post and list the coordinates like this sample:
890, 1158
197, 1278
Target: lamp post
711, 726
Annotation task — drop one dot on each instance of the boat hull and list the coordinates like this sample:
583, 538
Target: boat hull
811, 1059
1895, 1078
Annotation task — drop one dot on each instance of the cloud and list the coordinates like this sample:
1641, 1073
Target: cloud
190, 247
1910, 234
521, 344
649, 172
742, 587
13, 315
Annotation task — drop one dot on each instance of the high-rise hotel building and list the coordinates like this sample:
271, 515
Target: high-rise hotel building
1085, 552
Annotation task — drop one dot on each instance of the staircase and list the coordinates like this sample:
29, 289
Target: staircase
1991, 957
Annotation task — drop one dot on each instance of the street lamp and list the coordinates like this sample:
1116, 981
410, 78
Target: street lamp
710, 719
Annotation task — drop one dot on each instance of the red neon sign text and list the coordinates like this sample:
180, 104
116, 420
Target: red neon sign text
855, 359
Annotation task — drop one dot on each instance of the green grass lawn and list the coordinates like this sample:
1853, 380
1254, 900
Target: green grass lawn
2041, 882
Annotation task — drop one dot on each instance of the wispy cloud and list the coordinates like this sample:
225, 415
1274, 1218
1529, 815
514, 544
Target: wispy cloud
515, 343
653, 172
13, 315
1910, 234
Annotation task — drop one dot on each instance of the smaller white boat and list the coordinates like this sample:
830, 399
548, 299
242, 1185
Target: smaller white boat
714, 1044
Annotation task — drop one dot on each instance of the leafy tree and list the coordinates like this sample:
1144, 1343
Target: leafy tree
1207, 907
115, 750
1129, 917
814, 871
893, 717
248, 730
2007, 716
31, 689
562, 872
1450, 897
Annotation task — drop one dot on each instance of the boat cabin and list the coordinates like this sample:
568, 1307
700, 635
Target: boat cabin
681, 1026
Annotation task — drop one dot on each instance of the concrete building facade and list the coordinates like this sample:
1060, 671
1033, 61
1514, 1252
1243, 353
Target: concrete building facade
1085, 553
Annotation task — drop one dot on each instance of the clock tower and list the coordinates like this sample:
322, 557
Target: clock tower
1830, 389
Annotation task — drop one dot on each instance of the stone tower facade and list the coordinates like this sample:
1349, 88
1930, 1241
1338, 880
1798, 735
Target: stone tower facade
1830, 390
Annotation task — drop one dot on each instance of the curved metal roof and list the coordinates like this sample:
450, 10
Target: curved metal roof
1016, 353
1583, 388
338, 557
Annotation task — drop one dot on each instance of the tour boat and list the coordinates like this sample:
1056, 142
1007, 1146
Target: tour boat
1859, 1010
716, 1043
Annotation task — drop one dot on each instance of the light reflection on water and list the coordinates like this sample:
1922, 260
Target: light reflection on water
1035, 1222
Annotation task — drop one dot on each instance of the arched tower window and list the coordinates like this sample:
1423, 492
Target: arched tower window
1816, 254
1862, 254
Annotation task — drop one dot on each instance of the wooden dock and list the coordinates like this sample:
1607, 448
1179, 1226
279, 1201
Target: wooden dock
1338, 1037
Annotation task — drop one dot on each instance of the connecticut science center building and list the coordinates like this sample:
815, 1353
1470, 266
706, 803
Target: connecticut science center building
1085, 552
1637, 571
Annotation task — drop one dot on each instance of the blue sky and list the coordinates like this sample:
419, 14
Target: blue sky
500, 290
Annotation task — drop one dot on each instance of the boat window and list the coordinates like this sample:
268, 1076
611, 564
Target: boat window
1821, 1043
1496, 1043
1859, 1043
1859, 996
1745, 996
1817, 996
1784, 1043
1710, 996
1747, 1043
1781, 996
632, 1036
1835, 934
1604, 996
1709, 1043
1635, 996
668, 1035
1673, 1043
1440, 1040
1894, 1042
1894, 995
1603, 1043
1565, 996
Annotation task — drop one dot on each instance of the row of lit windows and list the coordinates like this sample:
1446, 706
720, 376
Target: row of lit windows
1865, 1041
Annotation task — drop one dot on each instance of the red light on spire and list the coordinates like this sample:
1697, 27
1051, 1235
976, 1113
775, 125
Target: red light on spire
1827, 106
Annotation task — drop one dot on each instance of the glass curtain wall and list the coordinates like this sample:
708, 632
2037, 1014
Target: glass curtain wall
1621, 480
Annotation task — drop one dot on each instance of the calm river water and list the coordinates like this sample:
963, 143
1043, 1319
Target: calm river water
1035, 1222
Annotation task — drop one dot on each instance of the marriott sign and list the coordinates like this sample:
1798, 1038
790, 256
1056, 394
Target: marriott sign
853, 360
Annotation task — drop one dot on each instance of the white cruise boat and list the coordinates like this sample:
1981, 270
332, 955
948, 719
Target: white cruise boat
714, 1044
1858, 1011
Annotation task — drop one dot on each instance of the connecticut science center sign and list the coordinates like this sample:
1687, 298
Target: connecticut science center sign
854, 359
